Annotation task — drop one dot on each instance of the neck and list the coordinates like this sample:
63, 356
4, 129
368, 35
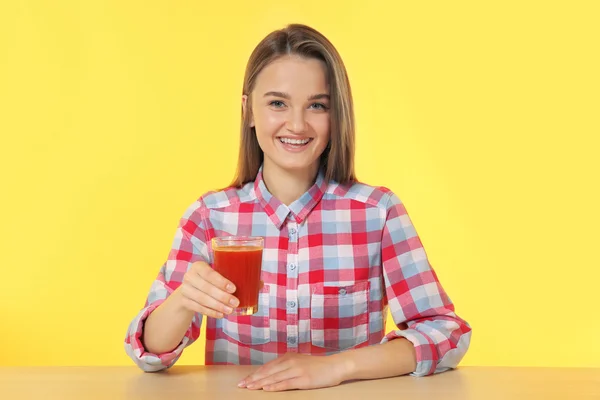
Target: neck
287, 186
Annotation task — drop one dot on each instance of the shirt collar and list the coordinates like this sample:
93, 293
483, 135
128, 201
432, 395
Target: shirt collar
298, 210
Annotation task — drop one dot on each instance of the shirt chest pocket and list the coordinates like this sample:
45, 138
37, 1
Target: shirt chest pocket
339, 317
251, 329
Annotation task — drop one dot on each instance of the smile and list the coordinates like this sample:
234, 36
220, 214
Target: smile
296, 142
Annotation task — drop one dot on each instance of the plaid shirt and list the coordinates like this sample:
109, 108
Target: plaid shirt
334, 261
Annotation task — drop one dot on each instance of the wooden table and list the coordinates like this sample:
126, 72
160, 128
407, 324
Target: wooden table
219, 382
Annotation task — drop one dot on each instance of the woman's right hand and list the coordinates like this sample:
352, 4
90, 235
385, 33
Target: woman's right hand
207, 292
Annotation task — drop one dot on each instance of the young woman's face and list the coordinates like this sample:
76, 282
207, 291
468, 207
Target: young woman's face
290, 112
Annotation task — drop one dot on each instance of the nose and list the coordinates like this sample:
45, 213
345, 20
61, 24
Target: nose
296, 122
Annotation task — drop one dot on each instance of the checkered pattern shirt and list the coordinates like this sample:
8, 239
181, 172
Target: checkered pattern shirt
334, 262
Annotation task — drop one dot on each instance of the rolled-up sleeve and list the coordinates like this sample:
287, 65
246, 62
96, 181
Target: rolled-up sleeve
417, 301
189, 246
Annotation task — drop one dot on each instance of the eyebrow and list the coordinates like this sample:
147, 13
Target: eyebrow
287, 96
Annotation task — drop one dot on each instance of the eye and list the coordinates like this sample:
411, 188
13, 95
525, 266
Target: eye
318, 106
277, 104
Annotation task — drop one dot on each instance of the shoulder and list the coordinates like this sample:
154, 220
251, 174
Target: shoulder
228, 197
220, 199
375, 196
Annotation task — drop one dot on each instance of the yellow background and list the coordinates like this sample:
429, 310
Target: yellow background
482, 116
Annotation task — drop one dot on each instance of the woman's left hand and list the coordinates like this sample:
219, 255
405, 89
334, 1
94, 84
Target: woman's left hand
296, 371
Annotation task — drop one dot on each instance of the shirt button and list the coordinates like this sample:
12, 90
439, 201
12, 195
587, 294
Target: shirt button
291, 304
342, 291
293, 267
292, 231
292, 340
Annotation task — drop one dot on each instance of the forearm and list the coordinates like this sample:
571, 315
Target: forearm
166, 326
394, 358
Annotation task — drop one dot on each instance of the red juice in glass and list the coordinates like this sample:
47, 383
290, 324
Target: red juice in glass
239, 259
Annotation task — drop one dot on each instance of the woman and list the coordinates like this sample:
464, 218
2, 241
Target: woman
338, 253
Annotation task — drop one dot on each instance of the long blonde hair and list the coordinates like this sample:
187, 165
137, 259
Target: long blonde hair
338, 158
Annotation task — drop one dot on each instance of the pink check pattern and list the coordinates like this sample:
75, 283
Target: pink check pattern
334, 262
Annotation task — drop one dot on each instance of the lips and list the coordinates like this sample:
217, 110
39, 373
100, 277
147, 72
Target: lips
294, 142
293, 145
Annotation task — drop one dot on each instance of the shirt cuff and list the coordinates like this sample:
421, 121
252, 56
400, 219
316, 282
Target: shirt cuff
150, 362
424, 348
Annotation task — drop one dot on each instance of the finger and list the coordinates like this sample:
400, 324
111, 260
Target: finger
289, 384
260, 372
215, 278
274, 379
204, 300
192, 305
272, 367
205, 286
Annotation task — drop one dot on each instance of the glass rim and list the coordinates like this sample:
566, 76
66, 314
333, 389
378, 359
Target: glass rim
250, 241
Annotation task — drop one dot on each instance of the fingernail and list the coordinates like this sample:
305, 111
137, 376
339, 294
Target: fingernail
228, 310
234, 302
230, 288
242, 384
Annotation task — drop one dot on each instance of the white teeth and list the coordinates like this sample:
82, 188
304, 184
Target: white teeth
294, 141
